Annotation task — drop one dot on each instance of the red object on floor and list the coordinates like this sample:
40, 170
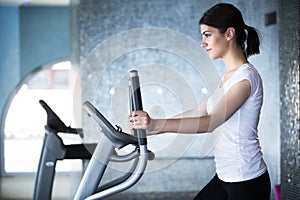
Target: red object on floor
277, 190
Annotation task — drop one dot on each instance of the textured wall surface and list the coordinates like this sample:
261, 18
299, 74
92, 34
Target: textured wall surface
9, 58
161, 39
289, 99
44, 36
9, 52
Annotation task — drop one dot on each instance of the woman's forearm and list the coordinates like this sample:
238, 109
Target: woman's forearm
181, 125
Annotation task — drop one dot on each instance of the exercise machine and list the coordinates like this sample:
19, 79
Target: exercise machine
54, 149
113, 138
103, 152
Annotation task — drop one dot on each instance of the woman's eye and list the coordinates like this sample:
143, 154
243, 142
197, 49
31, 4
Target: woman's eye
207, 35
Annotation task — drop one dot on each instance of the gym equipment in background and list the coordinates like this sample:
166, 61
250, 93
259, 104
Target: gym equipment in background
54, 149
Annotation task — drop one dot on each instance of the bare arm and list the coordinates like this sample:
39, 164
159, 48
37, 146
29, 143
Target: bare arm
200, 110
232, 101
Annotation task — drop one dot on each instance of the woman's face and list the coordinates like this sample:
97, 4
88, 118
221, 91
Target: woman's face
213, 41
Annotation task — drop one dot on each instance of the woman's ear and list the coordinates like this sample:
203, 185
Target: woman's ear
230, 33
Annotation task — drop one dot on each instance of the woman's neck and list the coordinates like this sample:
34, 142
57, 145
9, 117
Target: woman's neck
234, 59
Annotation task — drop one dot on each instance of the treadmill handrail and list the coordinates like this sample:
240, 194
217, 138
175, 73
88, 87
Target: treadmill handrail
124, 158
118, 138
114, 138
56, 124
133, 179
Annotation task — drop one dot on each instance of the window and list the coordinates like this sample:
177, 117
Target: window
24, 120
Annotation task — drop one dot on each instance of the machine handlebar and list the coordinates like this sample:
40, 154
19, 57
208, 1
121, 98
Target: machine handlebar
56, 124
118, 138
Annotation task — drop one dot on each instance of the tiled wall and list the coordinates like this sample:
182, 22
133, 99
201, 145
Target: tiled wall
289, 98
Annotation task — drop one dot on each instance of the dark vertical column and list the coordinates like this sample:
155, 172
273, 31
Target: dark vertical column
289, 97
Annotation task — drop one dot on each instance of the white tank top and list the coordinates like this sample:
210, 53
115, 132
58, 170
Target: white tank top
237, 150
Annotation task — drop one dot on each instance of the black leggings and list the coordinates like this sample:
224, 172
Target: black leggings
255, 189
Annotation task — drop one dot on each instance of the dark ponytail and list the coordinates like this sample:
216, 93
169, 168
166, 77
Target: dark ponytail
224, 15
253, 41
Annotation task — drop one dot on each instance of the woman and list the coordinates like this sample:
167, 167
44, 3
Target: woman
241, 172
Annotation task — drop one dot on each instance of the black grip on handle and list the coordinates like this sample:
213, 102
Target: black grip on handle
136, 103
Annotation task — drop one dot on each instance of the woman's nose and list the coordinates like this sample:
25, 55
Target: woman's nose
203, 43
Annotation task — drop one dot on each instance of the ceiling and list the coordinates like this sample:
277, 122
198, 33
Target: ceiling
35, 2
